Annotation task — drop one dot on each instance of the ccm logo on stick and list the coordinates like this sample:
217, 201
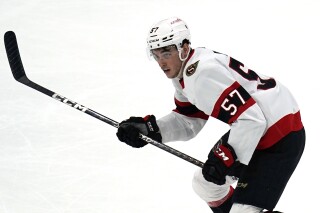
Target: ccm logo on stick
69, 102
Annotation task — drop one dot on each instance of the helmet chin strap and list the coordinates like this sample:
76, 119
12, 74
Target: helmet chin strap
180, 75
180, 54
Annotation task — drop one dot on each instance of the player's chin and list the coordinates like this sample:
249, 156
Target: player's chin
167, 73
170, 74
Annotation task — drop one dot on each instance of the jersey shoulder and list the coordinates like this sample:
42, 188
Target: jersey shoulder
201, 60
207, 67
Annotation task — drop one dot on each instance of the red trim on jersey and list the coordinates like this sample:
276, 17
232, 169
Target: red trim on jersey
222, 97
181, 81
189, 56
221, 201
240, 109
197, 114
183, 104
280, 129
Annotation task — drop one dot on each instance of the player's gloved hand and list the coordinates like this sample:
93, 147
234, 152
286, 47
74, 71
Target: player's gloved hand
129, 130
221, 160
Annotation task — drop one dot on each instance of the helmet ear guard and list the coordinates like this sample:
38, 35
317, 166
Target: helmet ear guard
171, 31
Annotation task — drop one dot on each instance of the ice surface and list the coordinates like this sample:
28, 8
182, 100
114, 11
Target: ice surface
55, 159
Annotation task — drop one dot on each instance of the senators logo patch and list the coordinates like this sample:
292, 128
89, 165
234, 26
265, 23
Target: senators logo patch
192, 69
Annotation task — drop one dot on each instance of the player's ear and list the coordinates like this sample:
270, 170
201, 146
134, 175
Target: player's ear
185, 49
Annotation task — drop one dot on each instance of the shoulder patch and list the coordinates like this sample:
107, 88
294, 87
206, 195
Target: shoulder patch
192, 69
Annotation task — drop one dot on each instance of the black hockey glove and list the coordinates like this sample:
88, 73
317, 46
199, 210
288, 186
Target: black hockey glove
129, 130
221, 160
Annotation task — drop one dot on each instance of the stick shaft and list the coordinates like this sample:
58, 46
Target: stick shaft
20, 75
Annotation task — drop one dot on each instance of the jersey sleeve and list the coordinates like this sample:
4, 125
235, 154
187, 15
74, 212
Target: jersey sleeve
183, 123
178, 127
184, 107
221, 96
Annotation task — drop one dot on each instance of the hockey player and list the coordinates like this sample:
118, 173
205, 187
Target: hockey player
266, 137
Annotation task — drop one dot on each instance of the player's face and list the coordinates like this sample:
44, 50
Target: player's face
168, 60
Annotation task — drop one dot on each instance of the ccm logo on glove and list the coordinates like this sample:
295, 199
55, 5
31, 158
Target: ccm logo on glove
224, 154
221, 160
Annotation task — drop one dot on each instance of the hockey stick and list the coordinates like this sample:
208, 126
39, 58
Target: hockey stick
19, 74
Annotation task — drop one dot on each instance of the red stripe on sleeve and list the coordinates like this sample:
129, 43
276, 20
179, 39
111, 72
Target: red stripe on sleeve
183, 104
189, 110
241, 109
222, 97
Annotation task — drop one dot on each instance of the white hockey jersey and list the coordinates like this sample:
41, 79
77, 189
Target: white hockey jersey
259, 109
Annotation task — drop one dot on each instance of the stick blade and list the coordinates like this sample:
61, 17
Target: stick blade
14, 57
